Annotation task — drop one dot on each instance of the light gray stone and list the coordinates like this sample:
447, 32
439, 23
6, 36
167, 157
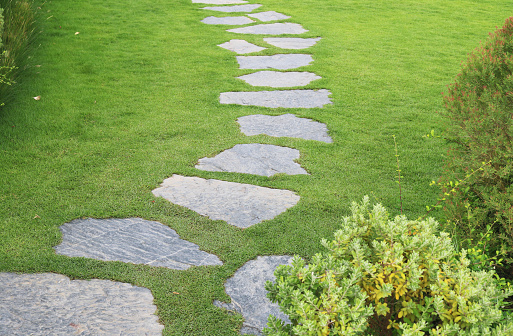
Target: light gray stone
269, 16
258, 159
271, 29
274, 99
241, 46
131, 240
238, 204
247, 291
219, 2
52, 304
229, 20
291, 42
286, 125
279, 79
234, 9
280, 61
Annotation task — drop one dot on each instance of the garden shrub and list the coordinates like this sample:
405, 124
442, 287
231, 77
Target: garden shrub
387, 277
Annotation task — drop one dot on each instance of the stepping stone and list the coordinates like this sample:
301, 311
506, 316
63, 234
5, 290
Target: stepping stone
269, 16
234, 9
247, 290
286, 125
219, 2
238, 204
52, 304
291, 42
131, 240
241, 46
271, 29
258, 159
273, 99
280, 61
230, 20
279, 79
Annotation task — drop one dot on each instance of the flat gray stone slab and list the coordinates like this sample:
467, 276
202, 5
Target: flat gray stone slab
274, 99
234, 9
286, 125
238, 204
229, 20
258, 159
291, 42
219, 2
271, 29
279, 61
279, 79
241, 46
52, 304
131, 240
269, 16
247, 290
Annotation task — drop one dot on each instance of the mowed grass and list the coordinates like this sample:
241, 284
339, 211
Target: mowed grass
133, 98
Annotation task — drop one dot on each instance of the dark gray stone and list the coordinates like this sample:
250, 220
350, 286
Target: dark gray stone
279, 79
258, 159
280, 61
234, 9
291, 42
219, 2
52, 304
269, 16
238, 204
271, 29
131, 240
274, 99
241, 46
247, 290
229, 20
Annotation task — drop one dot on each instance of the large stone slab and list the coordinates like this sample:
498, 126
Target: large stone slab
258, 159
247, 290
219, 2
238, 204
271, 29
286, 125
291, 42
279, 61
52, 304
274, 99
241, 46
234, 9
279, 79
229, 20
269, 16
131, 240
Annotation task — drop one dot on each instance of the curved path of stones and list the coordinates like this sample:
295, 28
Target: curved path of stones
50, 304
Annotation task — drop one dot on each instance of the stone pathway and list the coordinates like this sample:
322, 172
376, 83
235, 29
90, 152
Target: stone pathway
230, 20
275, 99
279, 79
282, 62
271, 29
292, 42
241, 46
234, 9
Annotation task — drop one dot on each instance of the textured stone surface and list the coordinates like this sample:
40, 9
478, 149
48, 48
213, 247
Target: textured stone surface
234, 9
52, 304
269, 16
238, 204
271, 29
280, 61
287, 125
131, 240
258, 159
291, 42
279, 79
247, 290
288, 98
241, 46
219, 2
229, 20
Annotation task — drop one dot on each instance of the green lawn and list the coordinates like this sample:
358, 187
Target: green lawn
133, 99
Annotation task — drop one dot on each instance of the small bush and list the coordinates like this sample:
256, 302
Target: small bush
387, 277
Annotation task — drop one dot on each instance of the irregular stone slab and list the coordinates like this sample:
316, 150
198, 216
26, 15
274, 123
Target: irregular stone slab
280, 61
291, 42
52, 304
273, 99
269, 16
286, 125
258, 159
279, 79
241, 46
234, 9
247, 290
219, 2
131, 240
238, 204
230, 20
271, 29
